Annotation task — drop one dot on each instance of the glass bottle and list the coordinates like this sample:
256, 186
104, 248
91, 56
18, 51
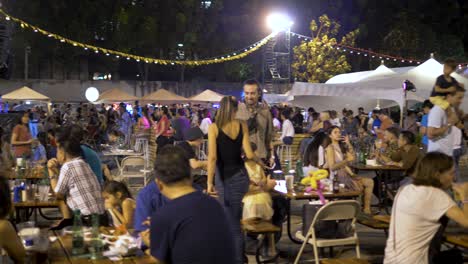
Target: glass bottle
95, 239
78, 246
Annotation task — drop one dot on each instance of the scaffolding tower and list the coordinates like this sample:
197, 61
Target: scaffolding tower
277, 63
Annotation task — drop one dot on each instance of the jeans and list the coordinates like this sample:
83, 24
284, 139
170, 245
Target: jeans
231, 191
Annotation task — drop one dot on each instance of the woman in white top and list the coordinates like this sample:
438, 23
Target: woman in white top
276, 122
287, 131
206, 122
419, 207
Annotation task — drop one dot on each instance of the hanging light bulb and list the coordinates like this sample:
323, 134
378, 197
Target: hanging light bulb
62, 40
7, 18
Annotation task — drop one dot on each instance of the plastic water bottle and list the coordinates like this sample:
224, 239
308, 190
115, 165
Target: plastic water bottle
78, 246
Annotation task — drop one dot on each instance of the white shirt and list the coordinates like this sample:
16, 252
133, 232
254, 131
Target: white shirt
414, 222
335, 122
456, 137
205, 124
437, 119
288, 129
276, 123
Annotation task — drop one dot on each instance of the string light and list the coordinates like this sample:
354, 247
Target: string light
235, 56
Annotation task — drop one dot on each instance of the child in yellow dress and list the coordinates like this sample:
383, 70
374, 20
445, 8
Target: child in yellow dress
257, 201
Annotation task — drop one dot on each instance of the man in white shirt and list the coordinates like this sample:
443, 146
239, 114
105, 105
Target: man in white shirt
440, 125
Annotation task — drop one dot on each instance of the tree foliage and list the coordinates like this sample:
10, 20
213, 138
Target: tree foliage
318, 60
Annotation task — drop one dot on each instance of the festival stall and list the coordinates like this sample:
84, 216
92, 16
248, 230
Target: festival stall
207, 96
26, 95
364, 88
163, 96
116, 95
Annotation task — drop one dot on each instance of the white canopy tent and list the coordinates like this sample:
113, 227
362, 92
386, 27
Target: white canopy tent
26, 94
207, 96
363, 88
115, 95
163, 96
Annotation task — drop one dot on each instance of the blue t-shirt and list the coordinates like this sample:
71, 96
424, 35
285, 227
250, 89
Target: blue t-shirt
149, 201
425, 140
39, 153
192, 229
376, 123
92, 158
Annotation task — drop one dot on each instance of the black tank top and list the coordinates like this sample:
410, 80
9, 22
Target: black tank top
229, 152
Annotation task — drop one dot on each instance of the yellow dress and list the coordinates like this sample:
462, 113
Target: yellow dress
257, 202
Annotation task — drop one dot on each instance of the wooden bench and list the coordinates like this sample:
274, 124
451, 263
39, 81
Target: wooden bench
344, 261
374, 223
265, 229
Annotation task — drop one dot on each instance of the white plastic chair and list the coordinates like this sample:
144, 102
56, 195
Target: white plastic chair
333, 211
142, 145
131, 169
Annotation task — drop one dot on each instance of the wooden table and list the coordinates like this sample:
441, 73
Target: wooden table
64, 245
35, 206
457, 240
380, 171
297, 195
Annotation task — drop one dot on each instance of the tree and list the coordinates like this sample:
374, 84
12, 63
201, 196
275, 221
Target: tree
318, 60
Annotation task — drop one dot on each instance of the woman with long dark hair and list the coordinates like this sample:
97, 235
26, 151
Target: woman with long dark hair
163, 134
10, 242
227, 137
21, 138
339, 154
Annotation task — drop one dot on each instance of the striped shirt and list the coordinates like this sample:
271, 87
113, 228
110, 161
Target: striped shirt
81, 187
415, 220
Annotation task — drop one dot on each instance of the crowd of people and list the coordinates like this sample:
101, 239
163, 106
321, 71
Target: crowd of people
177, 215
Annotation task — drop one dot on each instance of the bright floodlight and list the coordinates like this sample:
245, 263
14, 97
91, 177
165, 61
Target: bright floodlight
278, 22
92, 94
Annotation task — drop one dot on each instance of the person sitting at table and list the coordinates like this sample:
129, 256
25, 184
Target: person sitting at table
192, 227
194, 139
407, 155
339, 154
7, 159
420, 210
10, 242
314, 157
39, 153
389, 145
75, 182
119, 203
323, 124
21, 139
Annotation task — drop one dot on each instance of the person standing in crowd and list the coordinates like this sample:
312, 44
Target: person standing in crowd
457, 139
427, 106
334, 120
163, 133
310, 118
420, 210
21, 139
259, 120
9, 242
411, 122
192, 227
206, 121
180, 124
143, 125
75, 182
232, 182
439, 125
125, 122
276, 122
339, 154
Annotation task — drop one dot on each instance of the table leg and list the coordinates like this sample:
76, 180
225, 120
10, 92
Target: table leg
289, 224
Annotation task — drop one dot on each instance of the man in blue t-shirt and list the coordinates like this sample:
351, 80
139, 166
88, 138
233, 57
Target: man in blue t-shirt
427, 106
377, 123
192, 227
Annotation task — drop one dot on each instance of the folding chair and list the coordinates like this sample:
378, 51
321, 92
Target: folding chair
333, 211
131, 169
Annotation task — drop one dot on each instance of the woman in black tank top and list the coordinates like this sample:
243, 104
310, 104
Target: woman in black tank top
227, 138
